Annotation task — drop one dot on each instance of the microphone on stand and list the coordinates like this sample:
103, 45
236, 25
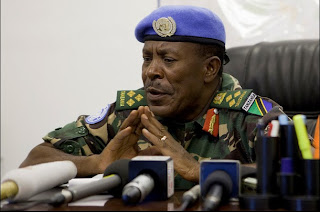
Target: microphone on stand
189, 197
23, 183
219, 181
115, 177
152, 178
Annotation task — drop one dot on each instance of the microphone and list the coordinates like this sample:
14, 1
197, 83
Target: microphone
23, 183
220, 186
137, 190
189, 197
219, 181
152, 178
115, 177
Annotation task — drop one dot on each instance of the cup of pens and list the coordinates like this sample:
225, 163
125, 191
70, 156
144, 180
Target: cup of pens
287, 167
268, 155
299, 176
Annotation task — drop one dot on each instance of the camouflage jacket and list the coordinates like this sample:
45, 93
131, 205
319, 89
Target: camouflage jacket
227, 131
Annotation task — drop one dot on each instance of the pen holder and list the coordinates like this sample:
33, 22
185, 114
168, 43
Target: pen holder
288, 179
289, 147
267, 196
267, 165
310, 174
307, 196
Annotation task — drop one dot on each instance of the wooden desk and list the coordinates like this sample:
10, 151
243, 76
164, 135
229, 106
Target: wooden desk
116, 204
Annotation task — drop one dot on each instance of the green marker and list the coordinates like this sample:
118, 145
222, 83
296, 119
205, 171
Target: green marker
302, 135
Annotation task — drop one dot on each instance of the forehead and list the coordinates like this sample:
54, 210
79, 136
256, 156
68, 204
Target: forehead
165, 46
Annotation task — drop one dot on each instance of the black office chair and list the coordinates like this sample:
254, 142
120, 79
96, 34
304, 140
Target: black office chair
285, 71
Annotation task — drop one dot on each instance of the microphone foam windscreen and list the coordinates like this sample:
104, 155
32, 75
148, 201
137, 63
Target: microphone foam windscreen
222, 178
231, 167
120, 168
35, 179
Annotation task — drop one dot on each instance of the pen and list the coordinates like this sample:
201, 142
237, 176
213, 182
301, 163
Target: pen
316, 136
289, 143
260, 128
283, 119
302, 135
275, 128
269, 129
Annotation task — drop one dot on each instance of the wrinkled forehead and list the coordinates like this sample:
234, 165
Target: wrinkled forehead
172, 47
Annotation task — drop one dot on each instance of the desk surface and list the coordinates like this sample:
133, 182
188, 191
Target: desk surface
116, 204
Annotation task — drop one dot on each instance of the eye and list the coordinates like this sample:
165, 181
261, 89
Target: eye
168, 59
147, 59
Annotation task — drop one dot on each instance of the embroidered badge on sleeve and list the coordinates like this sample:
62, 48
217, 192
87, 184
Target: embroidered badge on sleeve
93, 119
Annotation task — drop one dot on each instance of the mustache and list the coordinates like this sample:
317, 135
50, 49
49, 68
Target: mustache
153, 86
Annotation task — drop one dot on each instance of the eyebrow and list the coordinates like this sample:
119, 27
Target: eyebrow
162, 50
168, 49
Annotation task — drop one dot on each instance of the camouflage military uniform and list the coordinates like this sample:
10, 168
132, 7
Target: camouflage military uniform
226, 131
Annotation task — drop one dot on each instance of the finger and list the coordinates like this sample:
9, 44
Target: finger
153, 126
123, 134
152, 138
119, 139
133, 119
153, 120
136, 120
141, 109
148, 112
138, 129
129, 120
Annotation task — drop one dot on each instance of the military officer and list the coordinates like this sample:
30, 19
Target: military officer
188, 108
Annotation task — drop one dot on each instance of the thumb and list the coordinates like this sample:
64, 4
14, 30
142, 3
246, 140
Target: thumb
118, 140
122, 134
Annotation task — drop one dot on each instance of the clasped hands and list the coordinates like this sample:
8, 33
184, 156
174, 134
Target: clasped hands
143, 121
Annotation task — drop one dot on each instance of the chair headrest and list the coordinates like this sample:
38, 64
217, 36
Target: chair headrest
285, 71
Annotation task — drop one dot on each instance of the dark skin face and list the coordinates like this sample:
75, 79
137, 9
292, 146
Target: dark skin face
178, 81
180, 84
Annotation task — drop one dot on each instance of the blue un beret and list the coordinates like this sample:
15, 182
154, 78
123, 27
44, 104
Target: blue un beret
182, 23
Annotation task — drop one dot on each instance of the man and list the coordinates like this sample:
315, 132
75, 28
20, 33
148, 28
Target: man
188, 109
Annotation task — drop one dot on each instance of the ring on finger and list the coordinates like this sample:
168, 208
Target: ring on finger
163, 138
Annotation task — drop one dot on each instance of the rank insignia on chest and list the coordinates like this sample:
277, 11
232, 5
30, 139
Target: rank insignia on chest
231, 99
130, 99
211, 124
243, 99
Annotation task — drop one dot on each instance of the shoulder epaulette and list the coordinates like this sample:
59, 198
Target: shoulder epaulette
130, 99
243, 99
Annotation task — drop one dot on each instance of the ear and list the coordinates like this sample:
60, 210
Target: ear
213, 65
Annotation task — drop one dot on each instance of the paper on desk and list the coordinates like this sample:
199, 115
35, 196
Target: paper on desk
96, 200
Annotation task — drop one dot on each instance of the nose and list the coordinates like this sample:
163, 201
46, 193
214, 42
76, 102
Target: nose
154, 70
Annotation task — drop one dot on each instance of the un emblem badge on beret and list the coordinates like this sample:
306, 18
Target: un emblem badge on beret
164, 26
